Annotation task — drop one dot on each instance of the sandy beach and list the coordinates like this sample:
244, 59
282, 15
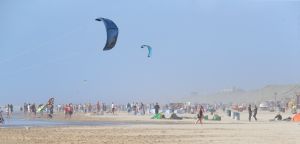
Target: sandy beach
143, 130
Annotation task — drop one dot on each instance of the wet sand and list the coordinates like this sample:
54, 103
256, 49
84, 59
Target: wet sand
227, 131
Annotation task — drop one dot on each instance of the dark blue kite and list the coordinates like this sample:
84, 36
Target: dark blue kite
112, 33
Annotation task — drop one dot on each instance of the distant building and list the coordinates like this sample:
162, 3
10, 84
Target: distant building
234, 89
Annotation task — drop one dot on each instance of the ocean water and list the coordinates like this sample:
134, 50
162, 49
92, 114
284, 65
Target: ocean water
22, 122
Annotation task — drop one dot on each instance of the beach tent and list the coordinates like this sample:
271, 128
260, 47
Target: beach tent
296, 118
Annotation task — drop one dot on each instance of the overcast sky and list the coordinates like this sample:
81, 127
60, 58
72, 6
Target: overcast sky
54, 48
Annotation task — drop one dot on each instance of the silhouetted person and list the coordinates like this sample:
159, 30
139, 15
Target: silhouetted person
98, 107
128, 108
156, 107
1, 118
250, 112
33, 110
255, 112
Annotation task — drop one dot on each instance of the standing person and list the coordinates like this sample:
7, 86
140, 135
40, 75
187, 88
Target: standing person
25, 108
250, 112
1, 118
156, 107
90, 107
98, 107
104, 107
200, 115
50, 111
11, 108
142, 109
134, 109
33, 109
50, 107
255, 112
128, 108
71, 110
28, 108
8, 111
66, 110
112, 108
137, 108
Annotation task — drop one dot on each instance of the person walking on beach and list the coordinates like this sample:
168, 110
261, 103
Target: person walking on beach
156, 107
255, 112
200, 115
250, 112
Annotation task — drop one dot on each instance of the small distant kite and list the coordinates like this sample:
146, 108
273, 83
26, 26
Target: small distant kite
149, 49
112, 33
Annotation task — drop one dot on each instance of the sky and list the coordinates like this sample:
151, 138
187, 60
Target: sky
53, 48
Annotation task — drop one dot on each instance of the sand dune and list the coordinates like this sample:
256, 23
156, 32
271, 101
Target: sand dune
248, 96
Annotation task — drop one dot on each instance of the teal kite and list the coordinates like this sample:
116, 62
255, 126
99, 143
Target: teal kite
149, 49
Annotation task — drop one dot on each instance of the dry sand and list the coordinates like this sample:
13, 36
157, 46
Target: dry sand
142, 130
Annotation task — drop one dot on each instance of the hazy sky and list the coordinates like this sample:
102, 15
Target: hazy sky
54, 48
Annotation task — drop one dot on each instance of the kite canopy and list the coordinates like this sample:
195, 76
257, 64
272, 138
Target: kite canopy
149, 50
112, 33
